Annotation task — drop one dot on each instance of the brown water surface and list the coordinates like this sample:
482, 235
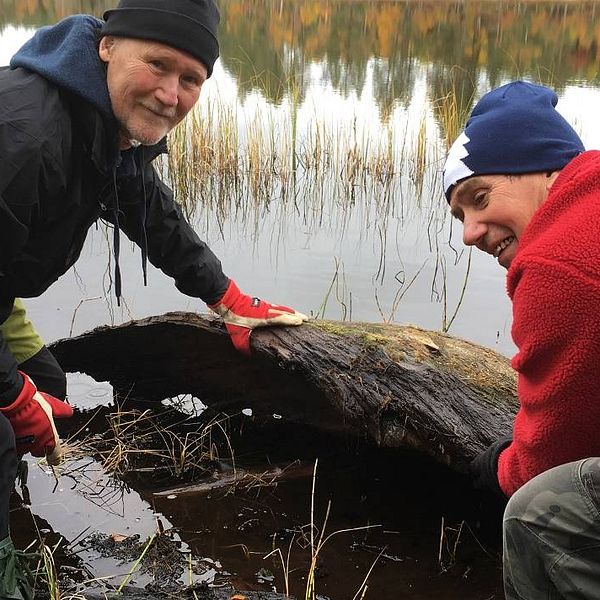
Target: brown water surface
428, 533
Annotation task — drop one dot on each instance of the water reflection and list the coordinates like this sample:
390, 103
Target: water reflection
266, 42
554, 42
35, 13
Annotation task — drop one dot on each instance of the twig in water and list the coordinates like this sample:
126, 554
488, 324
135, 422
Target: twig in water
137, 562
77, 308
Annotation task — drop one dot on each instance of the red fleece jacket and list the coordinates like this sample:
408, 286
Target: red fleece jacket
554, 284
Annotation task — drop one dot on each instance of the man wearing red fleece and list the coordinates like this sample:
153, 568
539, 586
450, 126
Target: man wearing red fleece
527, 193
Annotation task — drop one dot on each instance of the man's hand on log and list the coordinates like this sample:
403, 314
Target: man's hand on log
243, 313
484, 467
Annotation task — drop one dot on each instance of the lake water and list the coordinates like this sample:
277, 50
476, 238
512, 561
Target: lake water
375, 67
351, 83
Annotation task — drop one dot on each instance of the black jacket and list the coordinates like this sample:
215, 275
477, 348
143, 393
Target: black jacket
60, 171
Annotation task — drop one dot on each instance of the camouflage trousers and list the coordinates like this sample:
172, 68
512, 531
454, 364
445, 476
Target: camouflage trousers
552, 535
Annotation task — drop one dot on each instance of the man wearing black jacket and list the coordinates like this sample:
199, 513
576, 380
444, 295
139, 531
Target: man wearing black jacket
84, 110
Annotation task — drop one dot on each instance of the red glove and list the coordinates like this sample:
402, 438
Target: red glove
31, 417
243, 313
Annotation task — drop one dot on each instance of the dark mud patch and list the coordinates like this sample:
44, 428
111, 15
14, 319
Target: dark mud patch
159, 556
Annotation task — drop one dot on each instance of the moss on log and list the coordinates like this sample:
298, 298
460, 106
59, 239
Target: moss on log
389, 384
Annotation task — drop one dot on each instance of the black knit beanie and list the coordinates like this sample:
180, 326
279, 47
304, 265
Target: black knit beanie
188, 25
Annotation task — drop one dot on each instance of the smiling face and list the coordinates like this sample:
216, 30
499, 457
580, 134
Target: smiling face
152, 86
496, 209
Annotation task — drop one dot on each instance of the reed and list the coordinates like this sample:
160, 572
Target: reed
49, 572
419, 157
149, 441
226, 160
452, 114
447, 322
135, 565
242, 161
343, 295
383, 163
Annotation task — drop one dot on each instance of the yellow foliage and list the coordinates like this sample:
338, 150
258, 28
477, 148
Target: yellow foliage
387, 25
311, 13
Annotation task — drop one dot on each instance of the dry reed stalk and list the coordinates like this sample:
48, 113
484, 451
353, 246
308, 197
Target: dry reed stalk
138, 441
419, 158
452, 116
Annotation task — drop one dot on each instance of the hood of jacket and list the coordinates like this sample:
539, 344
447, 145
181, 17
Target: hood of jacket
66, 54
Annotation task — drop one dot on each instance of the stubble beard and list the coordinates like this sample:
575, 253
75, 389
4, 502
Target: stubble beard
140, 136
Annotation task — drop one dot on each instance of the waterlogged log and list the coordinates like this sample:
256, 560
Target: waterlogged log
391, 385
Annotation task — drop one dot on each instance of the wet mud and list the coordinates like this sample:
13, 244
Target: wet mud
388, 520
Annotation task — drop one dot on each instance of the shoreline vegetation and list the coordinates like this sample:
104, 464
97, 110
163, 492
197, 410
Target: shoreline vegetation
219, 156
239, 164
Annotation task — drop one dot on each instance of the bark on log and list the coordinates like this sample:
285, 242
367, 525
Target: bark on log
394, 385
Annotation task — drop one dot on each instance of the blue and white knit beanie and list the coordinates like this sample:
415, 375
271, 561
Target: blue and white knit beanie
512, 129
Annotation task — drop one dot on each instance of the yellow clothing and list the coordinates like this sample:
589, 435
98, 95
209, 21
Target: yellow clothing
22, 339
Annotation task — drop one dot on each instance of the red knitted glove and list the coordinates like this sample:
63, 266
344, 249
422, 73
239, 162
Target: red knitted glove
31, 416
243, 313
